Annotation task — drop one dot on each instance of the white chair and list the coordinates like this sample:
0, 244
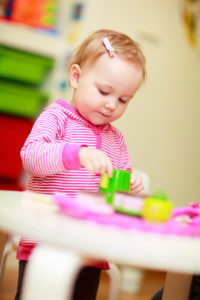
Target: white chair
10, 245
115, 279
3, 244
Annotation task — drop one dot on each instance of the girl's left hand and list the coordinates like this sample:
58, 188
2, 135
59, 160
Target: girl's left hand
137, 186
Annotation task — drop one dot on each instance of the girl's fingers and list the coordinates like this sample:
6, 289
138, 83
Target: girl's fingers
99, 163
110, 170
90, 168
138, 190
136, 184
95, 161
135, 178
105, 165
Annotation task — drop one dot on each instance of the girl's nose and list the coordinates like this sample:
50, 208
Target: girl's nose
110, 104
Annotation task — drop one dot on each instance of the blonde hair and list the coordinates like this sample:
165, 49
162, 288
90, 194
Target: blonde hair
92, 48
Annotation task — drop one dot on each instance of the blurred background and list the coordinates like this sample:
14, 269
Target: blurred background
161, 124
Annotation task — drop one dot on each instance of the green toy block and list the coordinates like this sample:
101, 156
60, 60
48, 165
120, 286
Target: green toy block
120, 181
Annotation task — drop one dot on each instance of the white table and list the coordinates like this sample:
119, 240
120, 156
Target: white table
75, 241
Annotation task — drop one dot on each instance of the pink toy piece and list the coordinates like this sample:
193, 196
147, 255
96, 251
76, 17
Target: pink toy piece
192, 212
76, 209
194, 204
80, 209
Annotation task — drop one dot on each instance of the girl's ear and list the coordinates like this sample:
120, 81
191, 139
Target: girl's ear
74, 75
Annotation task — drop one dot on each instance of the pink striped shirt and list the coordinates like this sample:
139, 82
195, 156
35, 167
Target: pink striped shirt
50, 155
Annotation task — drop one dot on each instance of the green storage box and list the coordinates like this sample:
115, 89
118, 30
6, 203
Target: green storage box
23, 66
21, 100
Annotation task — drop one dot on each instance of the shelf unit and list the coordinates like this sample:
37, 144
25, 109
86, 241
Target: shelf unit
55, 44
32, 40
40, 42
43, 43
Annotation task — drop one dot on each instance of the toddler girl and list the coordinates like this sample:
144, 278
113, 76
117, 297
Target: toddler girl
72, 144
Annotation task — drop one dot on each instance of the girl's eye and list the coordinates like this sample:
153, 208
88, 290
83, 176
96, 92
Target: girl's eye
122, 101
102, 92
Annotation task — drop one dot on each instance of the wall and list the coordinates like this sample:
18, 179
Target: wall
162, 123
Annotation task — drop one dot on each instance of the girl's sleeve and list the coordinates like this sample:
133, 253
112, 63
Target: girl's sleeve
44, 152
125, 161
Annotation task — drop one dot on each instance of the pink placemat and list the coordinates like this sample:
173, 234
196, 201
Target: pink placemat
103, 214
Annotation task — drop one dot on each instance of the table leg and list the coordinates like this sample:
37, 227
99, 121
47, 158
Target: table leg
50, 274
3, 239
177, 286
3, 253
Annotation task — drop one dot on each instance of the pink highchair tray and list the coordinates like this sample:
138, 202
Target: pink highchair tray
185, 221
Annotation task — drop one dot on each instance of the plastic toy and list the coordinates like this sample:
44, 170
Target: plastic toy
157, 208
117, 193
128, 203
103, 215
42, 14
188, 215
151, 208
120, 181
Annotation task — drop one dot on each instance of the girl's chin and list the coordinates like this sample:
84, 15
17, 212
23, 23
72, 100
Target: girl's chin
98, 121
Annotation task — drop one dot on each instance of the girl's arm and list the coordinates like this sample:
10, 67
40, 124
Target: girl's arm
44, 152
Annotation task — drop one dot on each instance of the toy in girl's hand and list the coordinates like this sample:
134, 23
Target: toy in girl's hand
120, 181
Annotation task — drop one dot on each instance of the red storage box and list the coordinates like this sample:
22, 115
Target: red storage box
10, 185
13, 133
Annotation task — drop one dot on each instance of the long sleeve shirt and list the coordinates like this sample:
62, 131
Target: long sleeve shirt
50, 155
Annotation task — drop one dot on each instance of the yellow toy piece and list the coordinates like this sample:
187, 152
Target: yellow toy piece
157, 209
104, 181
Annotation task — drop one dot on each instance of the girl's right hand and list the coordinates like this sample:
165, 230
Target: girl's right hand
95, 161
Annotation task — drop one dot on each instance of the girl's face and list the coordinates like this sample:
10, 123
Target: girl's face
103, 90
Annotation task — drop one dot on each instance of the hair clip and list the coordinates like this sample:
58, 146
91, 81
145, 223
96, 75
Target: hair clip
108, 46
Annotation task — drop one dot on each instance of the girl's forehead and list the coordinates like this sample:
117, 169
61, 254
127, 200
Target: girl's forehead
116, 67
106, 64
116, 73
